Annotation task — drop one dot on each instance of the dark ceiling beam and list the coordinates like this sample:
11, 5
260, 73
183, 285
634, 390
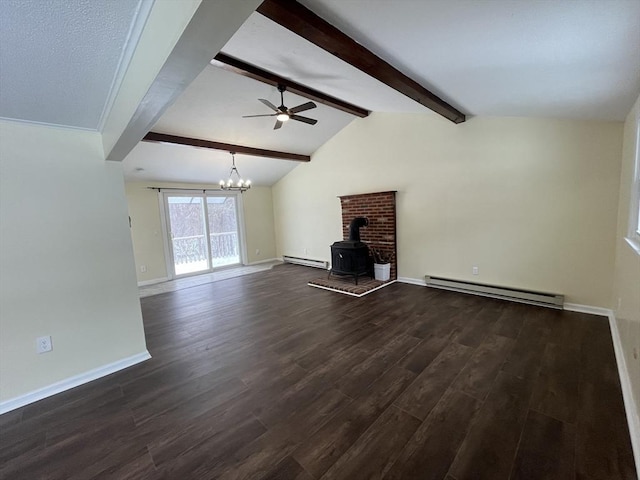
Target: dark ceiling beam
303, 22
241, 68
229, 147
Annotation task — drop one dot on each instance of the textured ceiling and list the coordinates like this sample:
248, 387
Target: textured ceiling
60, 60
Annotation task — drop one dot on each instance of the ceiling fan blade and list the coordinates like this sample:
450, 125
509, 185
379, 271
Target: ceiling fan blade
267, 115
303, 107
277, 125
269, 104
310, 121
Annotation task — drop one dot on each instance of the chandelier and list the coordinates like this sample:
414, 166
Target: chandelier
240, 185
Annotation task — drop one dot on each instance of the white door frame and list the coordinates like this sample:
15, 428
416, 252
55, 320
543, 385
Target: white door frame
164, 221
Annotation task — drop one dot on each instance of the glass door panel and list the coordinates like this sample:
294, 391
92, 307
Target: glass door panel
187, 231
223, 230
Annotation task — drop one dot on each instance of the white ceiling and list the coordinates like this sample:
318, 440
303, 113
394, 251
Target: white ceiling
212, 107
271, 47
564, 59
61, 60
178, 163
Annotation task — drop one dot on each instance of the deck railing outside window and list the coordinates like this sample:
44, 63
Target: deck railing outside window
192, 249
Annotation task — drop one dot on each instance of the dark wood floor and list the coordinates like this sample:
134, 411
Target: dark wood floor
264, 377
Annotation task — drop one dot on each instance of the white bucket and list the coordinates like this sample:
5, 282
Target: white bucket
382, 271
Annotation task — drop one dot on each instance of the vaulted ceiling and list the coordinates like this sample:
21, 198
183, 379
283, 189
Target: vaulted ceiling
61, 61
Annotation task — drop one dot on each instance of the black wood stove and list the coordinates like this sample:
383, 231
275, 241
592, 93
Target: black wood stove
351, 257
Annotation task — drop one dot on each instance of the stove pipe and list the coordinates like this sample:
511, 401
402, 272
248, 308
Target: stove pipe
354, 228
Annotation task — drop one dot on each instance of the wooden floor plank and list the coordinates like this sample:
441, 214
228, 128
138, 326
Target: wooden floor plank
476, 378
511, 320
602, 448
429, 453
547, 449
489, 449
365, 373
321, 451
287, 469
424, 353
263, 377
479, 323
556, 388
303, 423
216, 428
526, 356
214, 455
374, 452
425, 392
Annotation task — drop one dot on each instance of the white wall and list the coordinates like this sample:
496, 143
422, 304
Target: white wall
66, 261
259, 225
626, 294
146, 232
531, 202
146, 227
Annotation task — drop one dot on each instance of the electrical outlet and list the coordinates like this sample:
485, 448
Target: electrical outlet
257, 251
306, 251
474, 270
143, 268
43, 344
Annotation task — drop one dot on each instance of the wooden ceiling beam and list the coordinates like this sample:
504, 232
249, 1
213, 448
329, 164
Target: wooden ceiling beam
229, 147
241, 68
303, 22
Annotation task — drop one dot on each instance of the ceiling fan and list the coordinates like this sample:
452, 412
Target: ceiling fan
283, 113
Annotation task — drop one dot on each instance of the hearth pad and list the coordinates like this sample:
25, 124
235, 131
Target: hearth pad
346, 285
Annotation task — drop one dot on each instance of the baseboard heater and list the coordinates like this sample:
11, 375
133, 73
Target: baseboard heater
552, 300
307, 262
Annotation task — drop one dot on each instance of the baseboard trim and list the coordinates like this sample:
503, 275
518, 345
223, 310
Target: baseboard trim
153, 281
576, 307
412, 281
265, 261
72, 382
630, 406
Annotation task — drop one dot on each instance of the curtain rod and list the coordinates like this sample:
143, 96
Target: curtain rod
203, 190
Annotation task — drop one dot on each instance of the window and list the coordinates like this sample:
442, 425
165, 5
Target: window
633, 235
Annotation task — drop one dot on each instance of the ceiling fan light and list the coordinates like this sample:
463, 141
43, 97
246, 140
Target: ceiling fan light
283, 117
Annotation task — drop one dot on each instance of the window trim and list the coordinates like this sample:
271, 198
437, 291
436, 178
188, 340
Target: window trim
633, 231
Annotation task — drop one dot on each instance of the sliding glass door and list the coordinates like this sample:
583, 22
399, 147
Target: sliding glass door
187, 231
223, 230
203, 232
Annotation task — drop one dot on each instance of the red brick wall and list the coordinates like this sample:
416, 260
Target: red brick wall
380, 209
